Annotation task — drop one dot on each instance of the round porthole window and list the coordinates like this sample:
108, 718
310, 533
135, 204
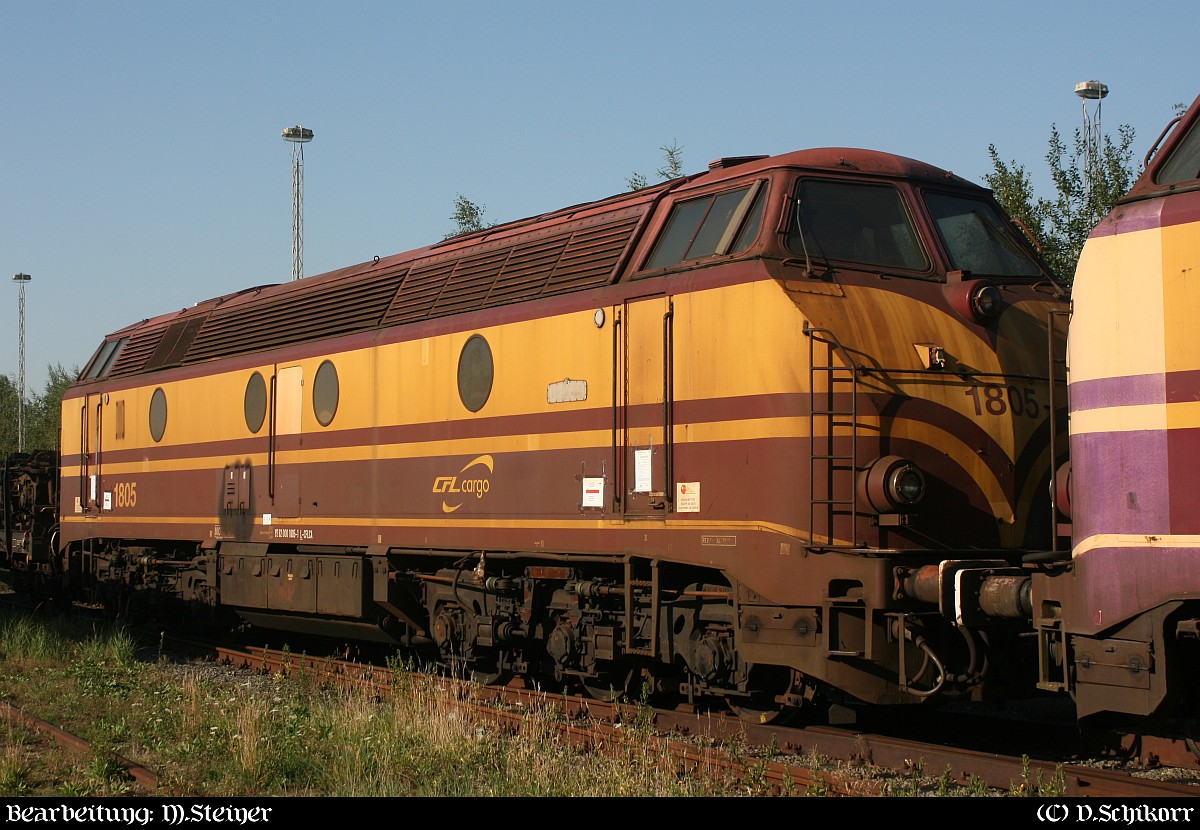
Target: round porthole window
475, 373
325, 393
255, 404
158, 414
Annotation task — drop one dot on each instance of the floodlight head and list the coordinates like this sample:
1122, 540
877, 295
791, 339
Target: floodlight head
21, 278
297, 134
1093, 90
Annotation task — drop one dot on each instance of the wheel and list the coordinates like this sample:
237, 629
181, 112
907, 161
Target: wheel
486, 672
494, 677
763, 711
612, 684
763, 706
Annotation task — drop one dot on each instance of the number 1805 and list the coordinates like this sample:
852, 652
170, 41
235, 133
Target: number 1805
998, 400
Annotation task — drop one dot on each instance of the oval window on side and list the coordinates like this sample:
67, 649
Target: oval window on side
255, 403
475, 373
325, 393
158, 414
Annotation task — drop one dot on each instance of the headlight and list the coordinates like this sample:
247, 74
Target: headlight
1062, 489
977, 300
985, 301
890, 485
906, 485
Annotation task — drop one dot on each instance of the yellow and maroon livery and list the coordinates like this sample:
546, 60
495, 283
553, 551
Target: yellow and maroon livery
749, 433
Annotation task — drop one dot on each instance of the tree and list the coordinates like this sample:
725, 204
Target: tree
43, 413
673, 164
1060, 225
8, 415
467, 216
672, 167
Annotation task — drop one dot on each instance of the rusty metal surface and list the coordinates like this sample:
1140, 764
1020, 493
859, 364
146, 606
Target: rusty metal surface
1153, 751
353, 305
77, 744
1000, 771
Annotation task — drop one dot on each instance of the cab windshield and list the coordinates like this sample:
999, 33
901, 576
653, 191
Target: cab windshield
852, 222
1184, 163
977, 238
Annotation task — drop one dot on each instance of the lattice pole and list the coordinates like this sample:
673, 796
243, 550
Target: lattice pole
1091, 91
298, 136
21, 280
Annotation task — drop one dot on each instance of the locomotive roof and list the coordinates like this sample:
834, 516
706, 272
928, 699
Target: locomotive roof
572, 248
833, 159
856, 159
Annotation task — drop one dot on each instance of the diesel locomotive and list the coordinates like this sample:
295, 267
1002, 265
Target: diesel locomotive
778, 432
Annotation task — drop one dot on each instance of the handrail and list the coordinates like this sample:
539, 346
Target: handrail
830, 339
1051, 361
668, 403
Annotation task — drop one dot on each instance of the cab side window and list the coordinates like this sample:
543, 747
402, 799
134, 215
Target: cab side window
102, 361
713, 225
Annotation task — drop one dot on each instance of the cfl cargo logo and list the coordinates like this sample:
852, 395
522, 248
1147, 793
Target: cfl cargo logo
469, 481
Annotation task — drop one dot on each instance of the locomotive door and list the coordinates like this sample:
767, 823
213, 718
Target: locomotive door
646, 407
287, 401
89, 453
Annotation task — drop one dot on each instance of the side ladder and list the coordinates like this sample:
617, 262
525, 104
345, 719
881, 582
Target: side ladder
833, 404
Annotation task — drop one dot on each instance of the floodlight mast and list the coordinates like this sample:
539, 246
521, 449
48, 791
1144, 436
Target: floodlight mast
1091, 91
21, 280
297, 136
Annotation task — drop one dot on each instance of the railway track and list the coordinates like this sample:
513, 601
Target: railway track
823, 759
146, 782
785, 760
832, 761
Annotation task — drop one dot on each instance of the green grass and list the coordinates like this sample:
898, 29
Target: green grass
222, 733
210, 731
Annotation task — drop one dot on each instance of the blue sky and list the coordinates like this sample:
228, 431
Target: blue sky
144, 170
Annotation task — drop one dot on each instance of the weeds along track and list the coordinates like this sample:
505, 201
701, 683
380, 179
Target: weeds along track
145, 781
763, 759
208, 720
